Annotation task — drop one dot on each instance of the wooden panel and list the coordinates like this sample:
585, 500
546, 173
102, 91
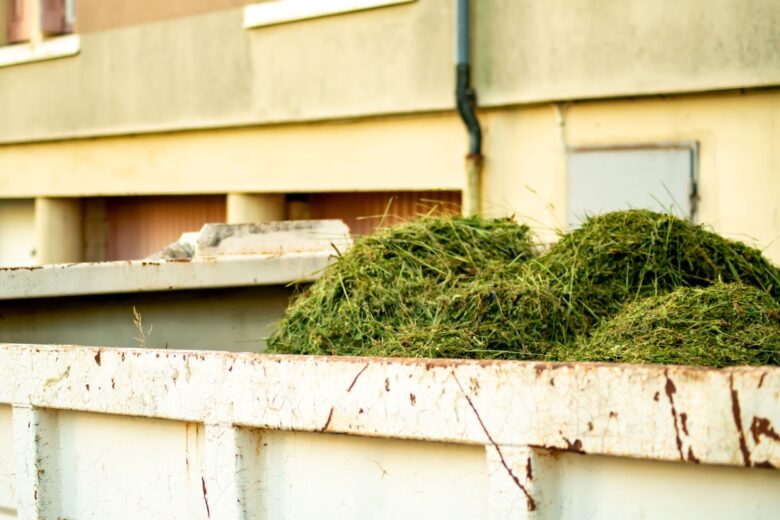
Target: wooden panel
19, 12
54, 17
139, 226
363, 212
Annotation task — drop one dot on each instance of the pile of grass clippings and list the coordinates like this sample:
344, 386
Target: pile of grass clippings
716, 326
394, 280
621, 256
520, 318
474, 288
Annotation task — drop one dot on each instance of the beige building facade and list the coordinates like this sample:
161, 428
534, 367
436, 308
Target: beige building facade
232, 110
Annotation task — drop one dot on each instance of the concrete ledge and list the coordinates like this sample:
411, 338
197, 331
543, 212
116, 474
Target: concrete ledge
49, 49
285, 11
147, 276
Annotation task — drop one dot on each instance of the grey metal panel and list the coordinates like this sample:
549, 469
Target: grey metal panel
235, 319
659, 179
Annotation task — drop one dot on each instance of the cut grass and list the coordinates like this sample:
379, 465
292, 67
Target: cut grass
392, 280
474, 288
717, 326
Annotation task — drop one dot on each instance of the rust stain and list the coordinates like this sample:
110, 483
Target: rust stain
87, 386
692, 457
670, 389
684, 422
530, 502
613, 415
656, 396
327, 423
737, 413
763, 426
387, 384
22, 268
763, 464
113, 384
97, 358
590, 426
575, 446
413, 399
529, 470
205, 496
352, 384
761, 380
361, 411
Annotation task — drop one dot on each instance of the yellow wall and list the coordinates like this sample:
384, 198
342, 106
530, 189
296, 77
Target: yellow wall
207, 71
739, 154
17, 232
396, 154
364, 101
525, 147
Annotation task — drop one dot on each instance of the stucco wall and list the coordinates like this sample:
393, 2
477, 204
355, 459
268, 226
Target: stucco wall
206, 70
525, 148
739, 156
17, 232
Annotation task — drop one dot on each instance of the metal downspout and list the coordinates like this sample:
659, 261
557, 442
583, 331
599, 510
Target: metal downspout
467, 101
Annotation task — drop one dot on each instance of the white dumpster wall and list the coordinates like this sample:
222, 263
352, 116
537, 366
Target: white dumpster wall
113, 466
127, 467
133, 433
576, 486
7, 497
309, 475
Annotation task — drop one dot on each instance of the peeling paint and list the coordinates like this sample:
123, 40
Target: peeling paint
420, 399
761, 426
737, 414
530, 502
670, 389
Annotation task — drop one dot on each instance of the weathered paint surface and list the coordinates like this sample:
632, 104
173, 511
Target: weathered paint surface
159, 275
543, 431
392, 60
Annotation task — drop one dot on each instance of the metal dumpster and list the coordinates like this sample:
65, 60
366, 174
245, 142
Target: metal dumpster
144, 433
229, 293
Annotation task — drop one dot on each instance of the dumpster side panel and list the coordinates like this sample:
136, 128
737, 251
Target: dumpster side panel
143, 433
592, 487
129, 467
310, 475
7, 494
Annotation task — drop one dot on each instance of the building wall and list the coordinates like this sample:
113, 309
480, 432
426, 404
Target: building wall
525, 146
17, 232
168, 71
176, 98
102, 15
739, 156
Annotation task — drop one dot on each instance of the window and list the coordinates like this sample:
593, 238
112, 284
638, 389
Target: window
35, 30
660, 178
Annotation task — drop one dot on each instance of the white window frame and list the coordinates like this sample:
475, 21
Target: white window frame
40, 48
284, 11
